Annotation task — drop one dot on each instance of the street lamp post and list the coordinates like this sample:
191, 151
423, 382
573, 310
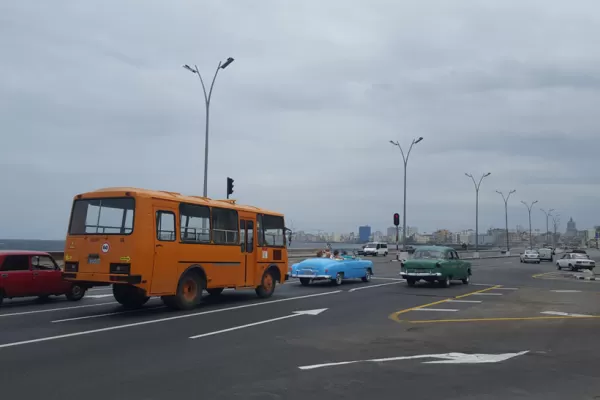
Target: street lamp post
207, 97
529, 211
405, 159
506, 214
477, 185
548, 214
555, 224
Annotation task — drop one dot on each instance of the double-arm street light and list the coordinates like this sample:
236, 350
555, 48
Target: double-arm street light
506, 214
207, 97
405, 159
548, 215
529, 210
477, 184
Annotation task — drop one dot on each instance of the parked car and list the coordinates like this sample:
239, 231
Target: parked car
530, 256
575, 261
34, 273
546, 254
435, 263
334, 270
376, 249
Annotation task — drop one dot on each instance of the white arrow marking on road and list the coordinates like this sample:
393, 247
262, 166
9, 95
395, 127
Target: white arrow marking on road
447, 358
564, 314
566, 291
98, 296
294, 314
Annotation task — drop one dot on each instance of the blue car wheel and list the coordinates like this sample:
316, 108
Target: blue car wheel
367, 277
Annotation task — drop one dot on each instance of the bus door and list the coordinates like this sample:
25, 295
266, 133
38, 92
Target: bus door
164, 276
247, 235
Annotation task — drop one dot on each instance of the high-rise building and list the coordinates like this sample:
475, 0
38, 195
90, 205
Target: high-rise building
364, 233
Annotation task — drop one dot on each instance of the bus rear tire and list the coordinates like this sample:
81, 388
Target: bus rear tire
189, 292
267, 285
129, 296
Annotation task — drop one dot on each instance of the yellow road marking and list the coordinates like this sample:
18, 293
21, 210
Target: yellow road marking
501, 319
394, 316
542, 274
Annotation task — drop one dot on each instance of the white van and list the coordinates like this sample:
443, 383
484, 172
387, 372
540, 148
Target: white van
546, 254
376, 249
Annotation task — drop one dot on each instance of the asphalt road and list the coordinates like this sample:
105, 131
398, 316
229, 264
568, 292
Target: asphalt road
92, 349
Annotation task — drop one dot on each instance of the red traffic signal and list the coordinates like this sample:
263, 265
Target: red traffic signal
396, 219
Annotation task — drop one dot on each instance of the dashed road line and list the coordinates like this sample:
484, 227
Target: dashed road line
488, 294
158, 320
564, 314
374, 286
56, 309
388, 279
394, 316
566, 291
107, 314
464, 301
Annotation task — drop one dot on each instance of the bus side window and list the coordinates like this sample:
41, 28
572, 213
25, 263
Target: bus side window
224, 226
259, 230
165, 226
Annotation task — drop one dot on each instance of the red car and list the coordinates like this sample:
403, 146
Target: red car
34, 273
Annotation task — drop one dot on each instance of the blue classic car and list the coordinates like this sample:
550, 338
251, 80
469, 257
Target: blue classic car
319, 268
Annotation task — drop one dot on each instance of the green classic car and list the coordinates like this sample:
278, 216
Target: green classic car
435, 263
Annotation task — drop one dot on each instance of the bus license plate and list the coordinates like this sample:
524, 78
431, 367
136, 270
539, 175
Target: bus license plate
93, 260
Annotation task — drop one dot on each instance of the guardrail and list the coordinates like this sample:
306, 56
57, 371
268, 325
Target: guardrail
299, 254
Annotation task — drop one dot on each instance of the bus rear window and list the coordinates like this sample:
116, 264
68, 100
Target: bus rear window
109, 216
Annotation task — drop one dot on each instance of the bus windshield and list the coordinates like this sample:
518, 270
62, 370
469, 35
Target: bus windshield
107, 216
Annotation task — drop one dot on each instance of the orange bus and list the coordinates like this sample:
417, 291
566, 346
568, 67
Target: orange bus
156, 243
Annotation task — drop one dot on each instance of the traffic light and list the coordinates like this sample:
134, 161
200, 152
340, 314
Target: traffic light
396, 219
229, 186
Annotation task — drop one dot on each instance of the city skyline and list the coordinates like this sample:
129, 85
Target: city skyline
313, 99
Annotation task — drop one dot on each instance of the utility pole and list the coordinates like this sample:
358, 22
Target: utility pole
477, 185
529, 210
207, 97
548, 214
506, 216
405, 159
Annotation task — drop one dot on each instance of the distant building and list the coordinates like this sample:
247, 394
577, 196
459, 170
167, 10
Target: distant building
364, 233
571, 228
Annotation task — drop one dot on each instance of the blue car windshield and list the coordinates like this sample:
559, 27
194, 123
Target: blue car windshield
428, 254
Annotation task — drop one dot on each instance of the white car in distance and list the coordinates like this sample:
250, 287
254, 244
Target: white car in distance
530, 256
575, 261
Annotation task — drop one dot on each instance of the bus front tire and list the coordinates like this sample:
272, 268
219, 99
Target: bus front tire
130, 296
267, 285
189, 292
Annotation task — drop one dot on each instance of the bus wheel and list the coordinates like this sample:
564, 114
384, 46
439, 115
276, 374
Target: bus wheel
215, 291
189, 292
129, 296
267, 285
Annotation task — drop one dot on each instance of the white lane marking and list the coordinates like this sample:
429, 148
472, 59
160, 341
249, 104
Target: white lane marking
506, 288
564, 314
507, 262
566, 291
154, 321
481, 284
98, 296
388, 279
487, 294
101, 288
56, 309
448, 358
373, 286
107, 314
293, 314
463, 301
434, 309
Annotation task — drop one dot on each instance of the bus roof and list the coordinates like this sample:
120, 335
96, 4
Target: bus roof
165, 195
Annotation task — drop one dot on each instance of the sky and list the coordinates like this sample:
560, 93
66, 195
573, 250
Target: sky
93, 95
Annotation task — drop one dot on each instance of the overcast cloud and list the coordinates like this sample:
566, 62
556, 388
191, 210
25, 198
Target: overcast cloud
92, 94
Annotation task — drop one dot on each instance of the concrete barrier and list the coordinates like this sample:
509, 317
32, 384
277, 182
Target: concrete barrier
295, 255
